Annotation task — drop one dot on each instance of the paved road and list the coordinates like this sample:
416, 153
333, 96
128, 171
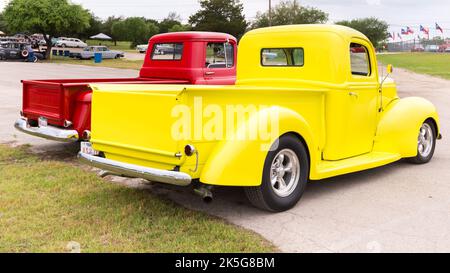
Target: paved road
400, 207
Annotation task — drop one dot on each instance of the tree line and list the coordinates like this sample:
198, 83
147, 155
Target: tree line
55, 18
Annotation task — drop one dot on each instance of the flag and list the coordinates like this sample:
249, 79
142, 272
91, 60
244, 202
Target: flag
439, 28
390, 35
424, 29
398, 35
393, 36
404, 32
409, 30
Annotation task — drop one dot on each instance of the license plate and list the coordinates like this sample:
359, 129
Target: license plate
43, 122
86, 148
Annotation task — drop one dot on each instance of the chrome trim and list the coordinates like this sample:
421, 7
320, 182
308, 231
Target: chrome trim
131, 170
67, 123
47, 132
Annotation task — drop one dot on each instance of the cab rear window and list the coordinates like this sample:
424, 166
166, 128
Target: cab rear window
282, 57
167, 51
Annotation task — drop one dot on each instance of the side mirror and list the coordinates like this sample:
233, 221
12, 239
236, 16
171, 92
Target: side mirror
390, 69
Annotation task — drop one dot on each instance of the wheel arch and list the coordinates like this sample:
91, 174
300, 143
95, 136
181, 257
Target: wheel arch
400, 123
241, 162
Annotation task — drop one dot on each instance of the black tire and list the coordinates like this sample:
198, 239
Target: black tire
264, 196
420, 159
117, 57
63, 45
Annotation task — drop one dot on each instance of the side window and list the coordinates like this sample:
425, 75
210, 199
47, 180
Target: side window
360, 62
167, 52
282, 57
219, 55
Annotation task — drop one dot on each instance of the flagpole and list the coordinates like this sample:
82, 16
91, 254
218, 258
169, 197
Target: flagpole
270, 13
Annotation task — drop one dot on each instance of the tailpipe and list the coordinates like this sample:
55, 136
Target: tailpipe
205, 193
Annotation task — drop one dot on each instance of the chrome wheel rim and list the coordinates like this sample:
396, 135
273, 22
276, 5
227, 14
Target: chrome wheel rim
284, 173
425, 140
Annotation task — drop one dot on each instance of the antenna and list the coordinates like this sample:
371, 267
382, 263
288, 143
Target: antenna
389, 70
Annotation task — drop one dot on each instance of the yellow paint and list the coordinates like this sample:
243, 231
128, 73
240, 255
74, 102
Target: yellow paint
347, 124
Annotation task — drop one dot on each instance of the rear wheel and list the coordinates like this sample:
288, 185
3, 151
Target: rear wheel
426, 143
285, 175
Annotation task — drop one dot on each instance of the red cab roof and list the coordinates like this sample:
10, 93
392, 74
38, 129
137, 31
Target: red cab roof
192, 35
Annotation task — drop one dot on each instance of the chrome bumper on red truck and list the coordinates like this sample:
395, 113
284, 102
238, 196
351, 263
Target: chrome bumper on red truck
131, 170
48, 132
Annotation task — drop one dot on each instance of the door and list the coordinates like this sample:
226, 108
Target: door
219, 62
357, 107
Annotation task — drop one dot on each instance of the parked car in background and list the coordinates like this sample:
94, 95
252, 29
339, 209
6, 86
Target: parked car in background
70, 42
17, 51
444, 48
432, 48
417, 48
89, 53
142, 48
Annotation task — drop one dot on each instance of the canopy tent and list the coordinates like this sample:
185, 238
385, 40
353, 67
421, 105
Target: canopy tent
101, 36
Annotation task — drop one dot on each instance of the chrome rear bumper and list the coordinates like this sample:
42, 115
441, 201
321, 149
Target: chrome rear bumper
131, 170
48, 132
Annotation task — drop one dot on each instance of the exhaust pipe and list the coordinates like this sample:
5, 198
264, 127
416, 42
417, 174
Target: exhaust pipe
205, 193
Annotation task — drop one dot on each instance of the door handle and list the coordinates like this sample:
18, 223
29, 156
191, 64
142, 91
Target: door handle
353, 94
209, 73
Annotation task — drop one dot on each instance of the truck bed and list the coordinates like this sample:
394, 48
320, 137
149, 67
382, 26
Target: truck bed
56, 99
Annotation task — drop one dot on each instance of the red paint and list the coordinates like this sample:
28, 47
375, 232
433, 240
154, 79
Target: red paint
70, 99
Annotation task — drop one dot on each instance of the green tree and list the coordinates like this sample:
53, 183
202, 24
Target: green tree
3, 25
107, 27
119, 31
288, 13
170, 21
134, 29
95, 27
52, 18
178, 28
220, 15
375, 29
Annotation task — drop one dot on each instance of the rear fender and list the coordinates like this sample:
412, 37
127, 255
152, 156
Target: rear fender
240, 162
82, 112
400, 123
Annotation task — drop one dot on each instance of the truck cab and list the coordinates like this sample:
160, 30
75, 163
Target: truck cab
60, 110
308, 104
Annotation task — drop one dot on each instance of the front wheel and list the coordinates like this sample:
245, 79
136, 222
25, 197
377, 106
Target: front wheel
285, 175
426, 143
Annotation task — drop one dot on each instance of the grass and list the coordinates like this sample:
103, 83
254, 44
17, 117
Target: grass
113, 63
435, 64
45, 204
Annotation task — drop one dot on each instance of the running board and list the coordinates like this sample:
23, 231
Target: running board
371, 160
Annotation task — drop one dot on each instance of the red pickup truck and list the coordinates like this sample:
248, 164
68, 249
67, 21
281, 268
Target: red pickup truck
61, 109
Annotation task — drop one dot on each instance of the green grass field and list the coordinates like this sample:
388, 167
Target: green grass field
435, 64
45, 204
113, 63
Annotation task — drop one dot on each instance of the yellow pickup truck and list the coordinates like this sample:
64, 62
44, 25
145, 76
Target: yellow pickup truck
309, 103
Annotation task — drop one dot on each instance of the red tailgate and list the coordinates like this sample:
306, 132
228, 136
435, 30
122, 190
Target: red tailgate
44, 99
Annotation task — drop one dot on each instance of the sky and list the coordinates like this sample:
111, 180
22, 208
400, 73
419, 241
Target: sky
398, 13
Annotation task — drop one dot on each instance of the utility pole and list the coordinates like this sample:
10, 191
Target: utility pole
270, 13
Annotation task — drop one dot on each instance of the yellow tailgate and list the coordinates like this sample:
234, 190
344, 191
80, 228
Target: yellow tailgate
132, 123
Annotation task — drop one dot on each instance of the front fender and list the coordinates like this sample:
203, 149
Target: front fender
400, 123
235, 162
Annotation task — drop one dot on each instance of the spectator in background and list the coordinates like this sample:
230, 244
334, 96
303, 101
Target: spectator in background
31, 56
